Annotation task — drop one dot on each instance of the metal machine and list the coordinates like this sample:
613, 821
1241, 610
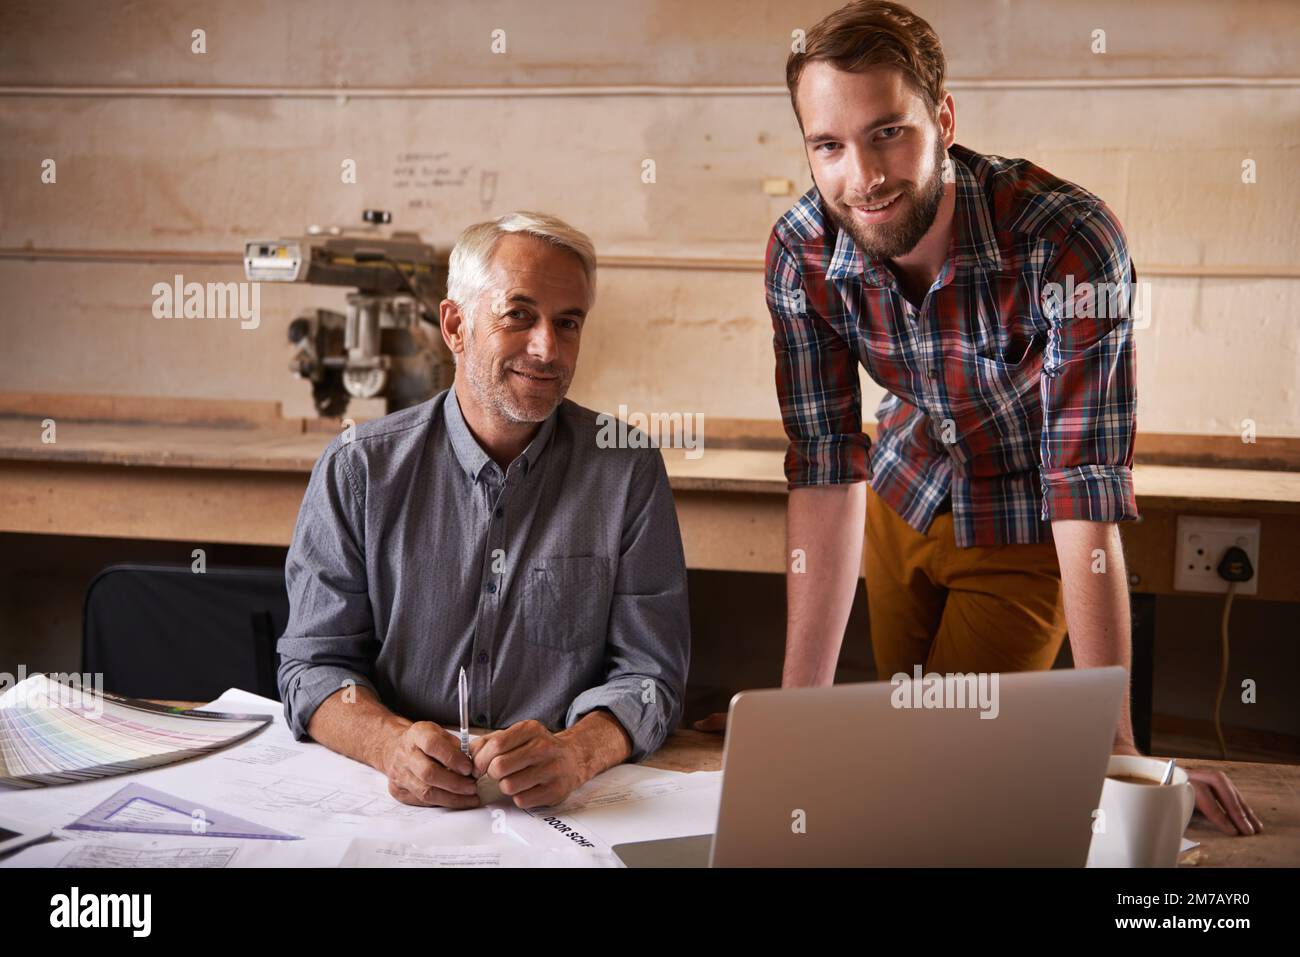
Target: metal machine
387, 345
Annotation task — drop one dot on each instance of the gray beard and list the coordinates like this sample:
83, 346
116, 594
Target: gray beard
495, 395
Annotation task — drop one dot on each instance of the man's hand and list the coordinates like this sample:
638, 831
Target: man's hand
425, 766
532, 765
423, 763
1216, 797
537, 768
715, 723
1222, 804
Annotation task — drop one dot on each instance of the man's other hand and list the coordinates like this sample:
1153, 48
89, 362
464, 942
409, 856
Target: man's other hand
425, 766
532, 766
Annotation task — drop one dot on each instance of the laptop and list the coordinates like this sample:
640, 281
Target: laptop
922, 774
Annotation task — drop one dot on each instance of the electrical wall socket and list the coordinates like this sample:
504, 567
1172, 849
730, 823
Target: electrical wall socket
1201, 544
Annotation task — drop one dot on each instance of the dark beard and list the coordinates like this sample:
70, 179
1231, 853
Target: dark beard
895, 239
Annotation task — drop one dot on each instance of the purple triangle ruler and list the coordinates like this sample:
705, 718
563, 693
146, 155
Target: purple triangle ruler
136, 809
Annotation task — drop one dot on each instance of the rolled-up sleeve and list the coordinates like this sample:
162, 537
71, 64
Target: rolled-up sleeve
816, 380
329, 640
1088, 385
648, 643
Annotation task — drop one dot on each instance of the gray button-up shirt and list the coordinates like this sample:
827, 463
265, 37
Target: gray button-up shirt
559, 585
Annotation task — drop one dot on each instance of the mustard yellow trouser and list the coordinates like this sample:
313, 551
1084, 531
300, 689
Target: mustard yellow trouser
950, 609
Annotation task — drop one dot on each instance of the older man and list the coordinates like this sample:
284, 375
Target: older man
485, 529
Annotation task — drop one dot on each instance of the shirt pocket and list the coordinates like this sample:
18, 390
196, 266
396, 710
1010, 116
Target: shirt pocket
996, 386
566, 602
1010, 352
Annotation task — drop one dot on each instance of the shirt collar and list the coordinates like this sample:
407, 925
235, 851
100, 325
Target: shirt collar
470, 454
974, 242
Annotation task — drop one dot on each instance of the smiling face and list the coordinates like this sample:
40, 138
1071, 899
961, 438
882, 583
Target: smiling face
876, 152
520, 355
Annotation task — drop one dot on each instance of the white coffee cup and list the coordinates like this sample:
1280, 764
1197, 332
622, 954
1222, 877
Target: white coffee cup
1140, 825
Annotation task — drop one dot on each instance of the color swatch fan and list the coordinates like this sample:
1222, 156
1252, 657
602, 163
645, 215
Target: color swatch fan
59, 733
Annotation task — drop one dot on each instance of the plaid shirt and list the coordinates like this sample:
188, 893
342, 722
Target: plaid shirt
1013, 386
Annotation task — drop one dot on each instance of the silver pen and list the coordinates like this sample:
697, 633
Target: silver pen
463, 690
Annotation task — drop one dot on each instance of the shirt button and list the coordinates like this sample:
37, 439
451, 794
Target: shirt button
931, 373
482, 657
492, 588
499, 512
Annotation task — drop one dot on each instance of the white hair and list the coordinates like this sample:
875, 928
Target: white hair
467, 272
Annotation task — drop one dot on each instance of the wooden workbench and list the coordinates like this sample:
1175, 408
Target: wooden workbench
131, 469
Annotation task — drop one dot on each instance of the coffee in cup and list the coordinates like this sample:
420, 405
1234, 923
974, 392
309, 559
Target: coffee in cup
1140, 822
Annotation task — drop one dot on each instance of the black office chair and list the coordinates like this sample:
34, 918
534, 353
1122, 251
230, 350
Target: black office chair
164, 631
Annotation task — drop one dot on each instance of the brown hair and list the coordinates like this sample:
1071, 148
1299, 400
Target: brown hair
867, 33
